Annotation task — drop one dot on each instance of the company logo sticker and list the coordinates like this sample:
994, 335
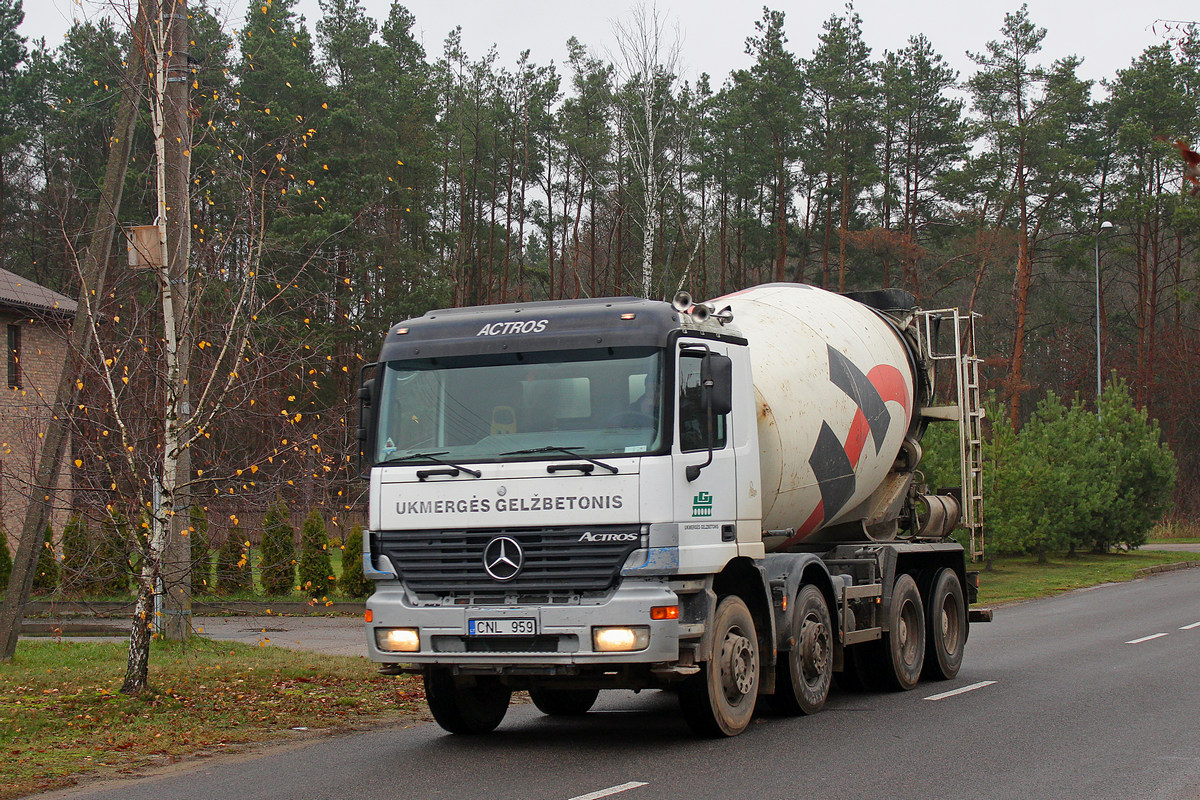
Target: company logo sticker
702, 505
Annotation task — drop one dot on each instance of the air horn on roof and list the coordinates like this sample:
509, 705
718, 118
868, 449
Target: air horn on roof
684, 304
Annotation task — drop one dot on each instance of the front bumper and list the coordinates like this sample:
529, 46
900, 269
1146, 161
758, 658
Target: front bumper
564, 631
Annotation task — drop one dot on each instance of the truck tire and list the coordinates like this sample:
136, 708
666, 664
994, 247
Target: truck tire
719, 699
563, 702
462, 707
803, 676
904, 643
946, 627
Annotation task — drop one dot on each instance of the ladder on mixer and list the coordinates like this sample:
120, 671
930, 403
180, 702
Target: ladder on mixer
969, 412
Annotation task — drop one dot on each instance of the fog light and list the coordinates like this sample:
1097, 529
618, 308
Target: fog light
664, 612
617, 640
398, 640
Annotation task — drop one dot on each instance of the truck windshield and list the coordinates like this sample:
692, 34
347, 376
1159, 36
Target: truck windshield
601, 402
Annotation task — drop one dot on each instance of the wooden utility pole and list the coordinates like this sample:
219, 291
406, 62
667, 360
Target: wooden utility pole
93, 273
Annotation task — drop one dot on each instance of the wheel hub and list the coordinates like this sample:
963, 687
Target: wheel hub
738, 665
909, 623
814, 650
950, 631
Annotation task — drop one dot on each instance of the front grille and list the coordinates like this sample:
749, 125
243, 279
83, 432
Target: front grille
451, 561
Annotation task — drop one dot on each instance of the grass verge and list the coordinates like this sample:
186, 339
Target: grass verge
62, 720
1022, 578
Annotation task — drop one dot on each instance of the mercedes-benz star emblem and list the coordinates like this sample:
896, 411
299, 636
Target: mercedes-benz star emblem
503, 558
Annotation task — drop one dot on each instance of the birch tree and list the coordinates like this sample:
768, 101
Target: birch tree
647, 66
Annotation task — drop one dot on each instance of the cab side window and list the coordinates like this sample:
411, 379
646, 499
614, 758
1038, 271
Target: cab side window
692, 427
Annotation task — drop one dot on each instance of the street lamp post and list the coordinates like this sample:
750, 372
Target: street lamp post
1104, 226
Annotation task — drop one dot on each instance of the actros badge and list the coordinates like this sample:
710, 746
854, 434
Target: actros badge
503, 558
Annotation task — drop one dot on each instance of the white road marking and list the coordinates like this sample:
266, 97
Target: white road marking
624, 787
1189, 627
963, 690
1147, 638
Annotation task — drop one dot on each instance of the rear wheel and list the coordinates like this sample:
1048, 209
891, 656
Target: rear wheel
563, 702
904, 643
802, 679
719, 700
461, 705
946, 627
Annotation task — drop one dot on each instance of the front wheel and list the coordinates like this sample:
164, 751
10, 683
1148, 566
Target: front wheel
802, 679
563, 702
466, 707
719, 700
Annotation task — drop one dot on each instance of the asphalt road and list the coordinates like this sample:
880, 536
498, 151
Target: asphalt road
1092, 694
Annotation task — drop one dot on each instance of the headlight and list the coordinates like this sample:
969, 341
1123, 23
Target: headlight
621, 639
398, 640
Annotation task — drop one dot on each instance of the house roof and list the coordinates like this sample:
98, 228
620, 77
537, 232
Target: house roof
24, 294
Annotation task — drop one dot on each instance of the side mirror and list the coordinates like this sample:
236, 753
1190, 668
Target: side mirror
716, 376
716, 373
366, 419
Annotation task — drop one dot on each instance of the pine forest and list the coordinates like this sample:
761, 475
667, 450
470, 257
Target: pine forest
341, 178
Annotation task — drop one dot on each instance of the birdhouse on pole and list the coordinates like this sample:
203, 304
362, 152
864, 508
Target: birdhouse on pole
145, 249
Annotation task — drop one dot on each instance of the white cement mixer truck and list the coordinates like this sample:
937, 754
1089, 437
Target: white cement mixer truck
721, 498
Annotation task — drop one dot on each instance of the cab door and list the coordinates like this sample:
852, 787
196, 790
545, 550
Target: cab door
706, 506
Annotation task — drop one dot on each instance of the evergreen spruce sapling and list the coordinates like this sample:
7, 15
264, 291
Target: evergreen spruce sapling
5, 560
316, 571
278, 554
1141, 468
1034, 506
45, 579
1005, 483
198, 544
233, 564
110, 564
353, 583
76, 556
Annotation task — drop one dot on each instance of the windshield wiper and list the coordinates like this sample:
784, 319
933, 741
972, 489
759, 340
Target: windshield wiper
434, 458
567, 450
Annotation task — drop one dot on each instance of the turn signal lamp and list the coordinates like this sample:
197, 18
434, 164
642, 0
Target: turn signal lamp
369, 616
398, 640
664, 612
621, 640
629, 316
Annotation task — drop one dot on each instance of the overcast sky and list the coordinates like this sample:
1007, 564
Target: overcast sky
1108, 34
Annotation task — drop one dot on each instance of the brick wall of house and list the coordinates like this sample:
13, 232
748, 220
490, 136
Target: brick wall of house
23, 414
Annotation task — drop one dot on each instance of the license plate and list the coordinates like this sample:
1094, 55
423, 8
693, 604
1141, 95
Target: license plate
526, 626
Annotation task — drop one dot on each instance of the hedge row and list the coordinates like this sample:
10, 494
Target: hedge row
103, 563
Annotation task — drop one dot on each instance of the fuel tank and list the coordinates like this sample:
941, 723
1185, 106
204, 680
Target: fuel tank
837, 391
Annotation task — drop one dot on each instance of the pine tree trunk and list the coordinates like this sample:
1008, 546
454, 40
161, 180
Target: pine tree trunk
1024, 278
781, 191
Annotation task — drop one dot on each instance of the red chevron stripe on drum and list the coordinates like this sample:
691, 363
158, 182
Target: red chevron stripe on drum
856, 438
889, 382
810, 524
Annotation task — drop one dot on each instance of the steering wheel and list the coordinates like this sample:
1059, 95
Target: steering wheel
630, 419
